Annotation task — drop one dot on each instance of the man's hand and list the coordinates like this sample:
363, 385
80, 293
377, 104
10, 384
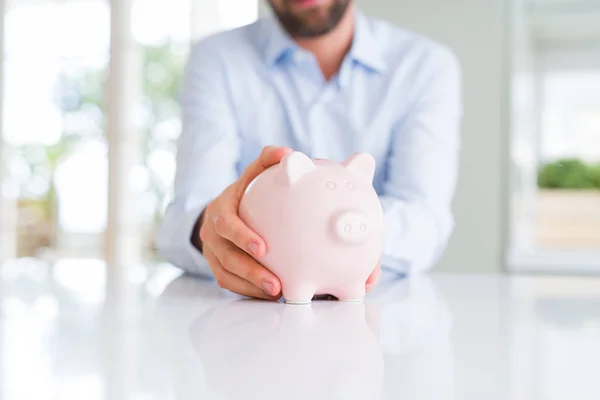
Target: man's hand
227, 242
373, 278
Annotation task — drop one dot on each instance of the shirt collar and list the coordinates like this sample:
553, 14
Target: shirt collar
365, 48
278, 45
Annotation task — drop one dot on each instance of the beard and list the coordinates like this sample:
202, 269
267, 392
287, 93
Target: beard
313, 22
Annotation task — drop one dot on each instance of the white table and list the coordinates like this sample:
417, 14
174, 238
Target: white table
429, 337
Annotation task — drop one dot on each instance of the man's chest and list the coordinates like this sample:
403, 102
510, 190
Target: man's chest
325, 120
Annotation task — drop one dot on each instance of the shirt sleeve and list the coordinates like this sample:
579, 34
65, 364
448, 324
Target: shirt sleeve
207, 156
422, 169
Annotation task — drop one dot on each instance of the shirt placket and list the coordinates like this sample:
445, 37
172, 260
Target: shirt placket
322, 110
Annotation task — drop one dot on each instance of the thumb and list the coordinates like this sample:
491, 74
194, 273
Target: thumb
269, 156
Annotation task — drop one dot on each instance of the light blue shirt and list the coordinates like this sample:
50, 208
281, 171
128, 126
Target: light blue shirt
396, 96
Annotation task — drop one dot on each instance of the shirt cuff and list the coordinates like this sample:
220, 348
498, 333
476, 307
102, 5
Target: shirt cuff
410, 237
200, 265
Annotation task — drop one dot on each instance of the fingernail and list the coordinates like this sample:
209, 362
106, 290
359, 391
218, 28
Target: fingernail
253, 248
268, 286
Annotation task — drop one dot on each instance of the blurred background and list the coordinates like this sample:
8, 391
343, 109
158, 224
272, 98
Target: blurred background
89, 129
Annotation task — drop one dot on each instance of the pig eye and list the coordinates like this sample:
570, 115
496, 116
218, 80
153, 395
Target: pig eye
350, 185
331, 185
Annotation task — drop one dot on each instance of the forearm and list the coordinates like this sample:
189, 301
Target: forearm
422, 171
207, 155
415, 235
177, 240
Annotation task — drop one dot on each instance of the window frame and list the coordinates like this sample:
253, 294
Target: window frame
527, 256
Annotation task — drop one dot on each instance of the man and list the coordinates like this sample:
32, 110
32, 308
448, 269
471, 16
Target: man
319, 77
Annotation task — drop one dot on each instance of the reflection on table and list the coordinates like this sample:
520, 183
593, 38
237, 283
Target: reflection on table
396, 342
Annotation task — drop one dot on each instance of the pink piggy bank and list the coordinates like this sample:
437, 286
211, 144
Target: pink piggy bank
322, 222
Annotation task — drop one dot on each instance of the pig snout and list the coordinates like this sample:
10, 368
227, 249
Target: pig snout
352, 227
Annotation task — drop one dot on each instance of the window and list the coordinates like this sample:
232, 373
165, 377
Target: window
53, 119
55, 112
555, 198
569, 198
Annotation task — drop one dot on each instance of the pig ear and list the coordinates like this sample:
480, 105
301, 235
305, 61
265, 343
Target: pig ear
362, 164
294, 166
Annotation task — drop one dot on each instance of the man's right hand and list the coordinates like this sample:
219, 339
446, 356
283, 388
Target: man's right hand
227, 242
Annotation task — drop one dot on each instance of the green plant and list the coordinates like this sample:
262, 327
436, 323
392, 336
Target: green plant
596, 175
569, 173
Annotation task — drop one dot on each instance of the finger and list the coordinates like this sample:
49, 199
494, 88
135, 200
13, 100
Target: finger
241, 264
241, 286
373, 278
269, 156
229, 226
374, 275
234, 283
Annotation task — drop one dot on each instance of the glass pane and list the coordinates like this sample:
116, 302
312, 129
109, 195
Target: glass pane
157, 22
55, 113
54, 119
236, 13
569, 175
